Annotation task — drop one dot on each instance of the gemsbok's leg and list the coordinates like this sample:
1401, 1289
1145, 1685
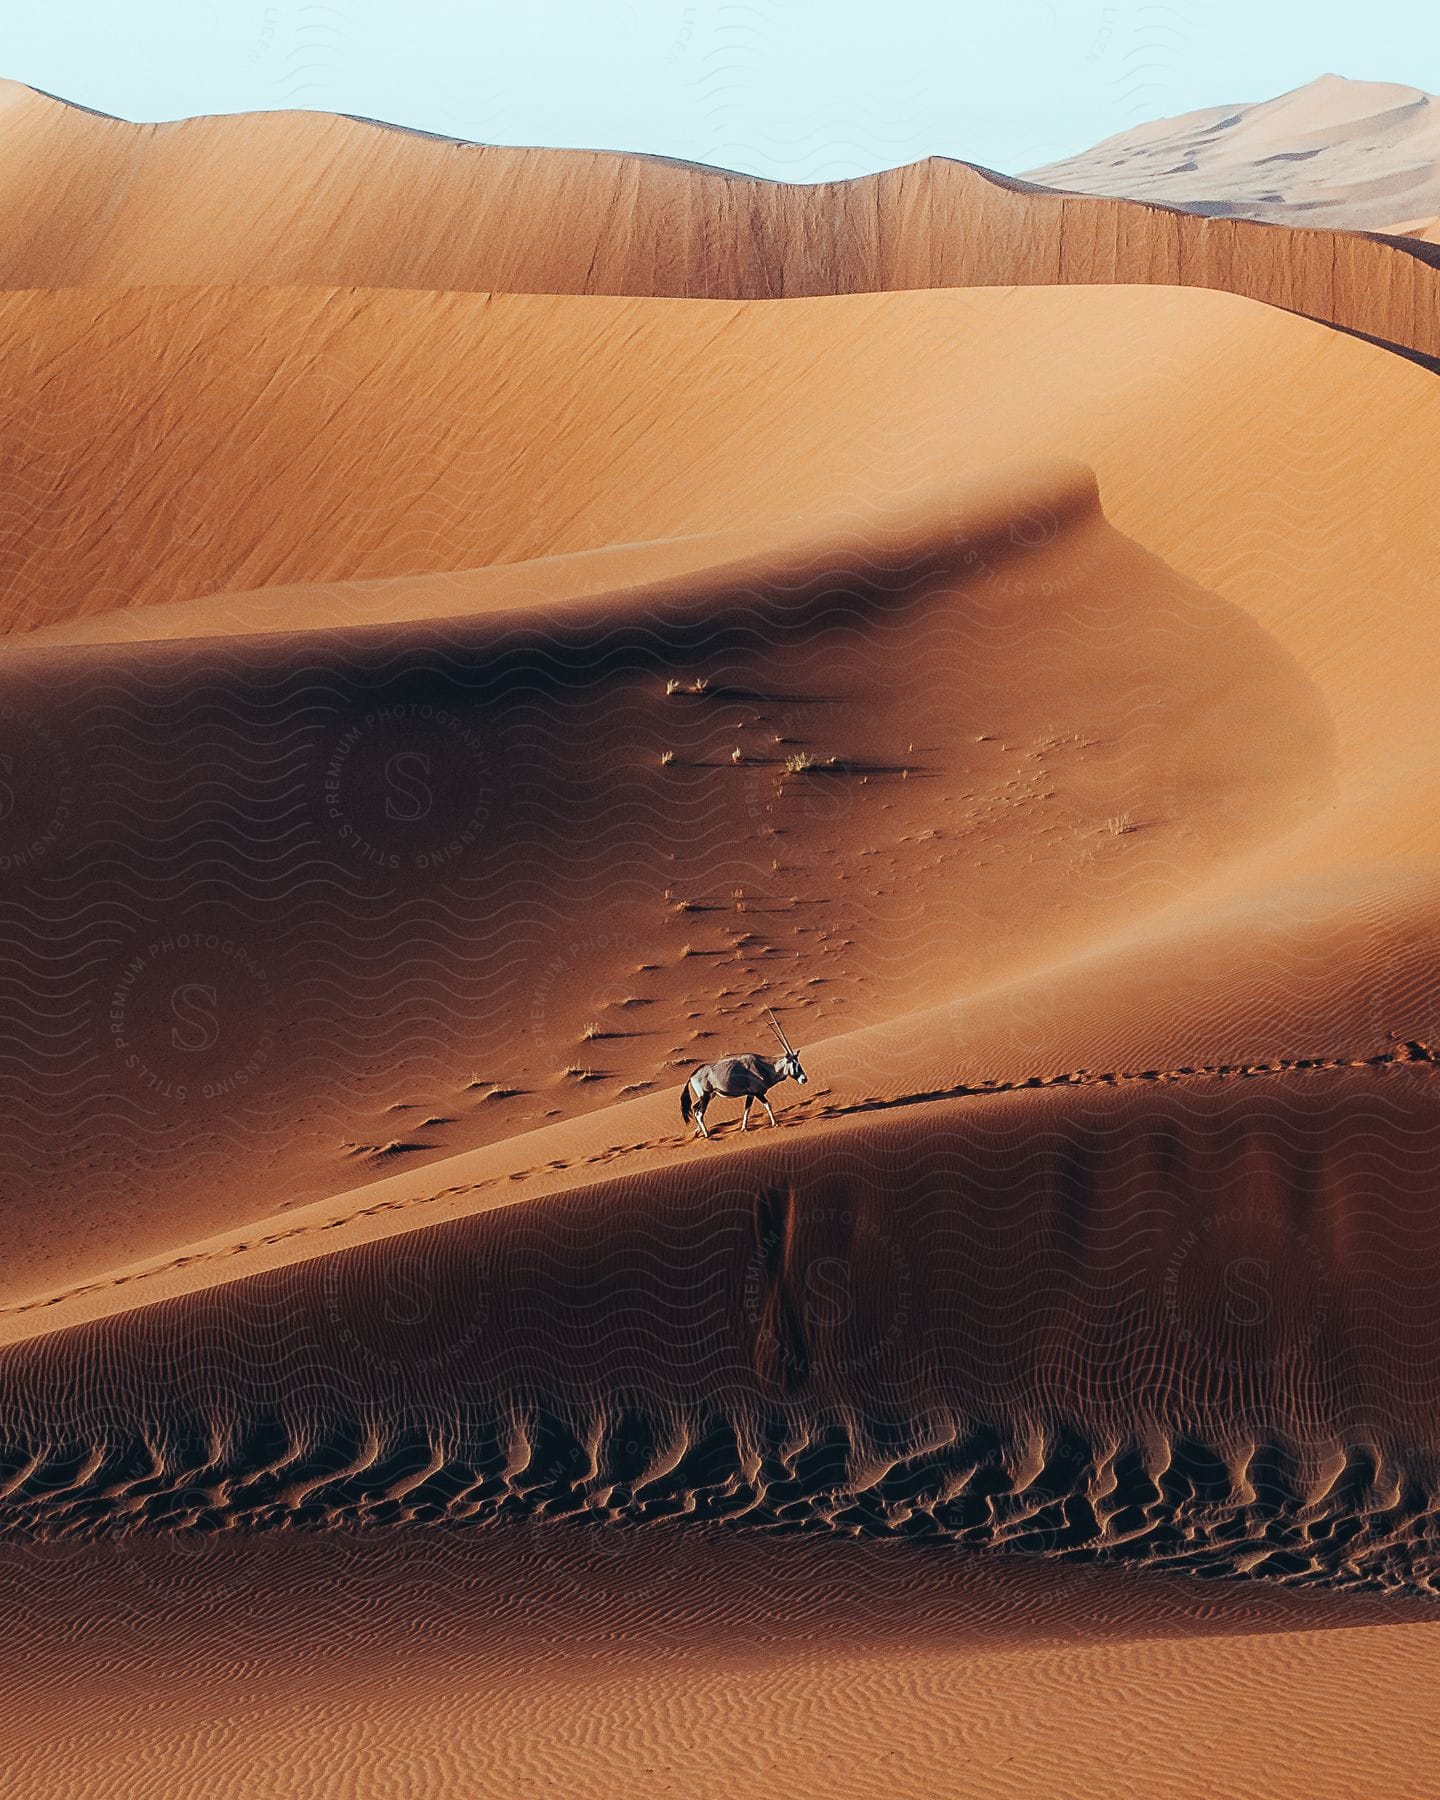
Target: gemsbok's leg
768, 1114
745, 1114
700, 1106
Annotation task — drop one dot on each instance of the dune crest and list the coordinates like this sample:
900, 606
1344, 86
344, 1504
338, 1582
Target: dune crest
1350, 155
315, 199
733, 729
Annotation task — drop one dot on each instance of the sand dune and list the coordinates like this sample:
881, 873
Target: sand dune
535, 1659
130, 424
431, 722
474, 955
477, 938
1351, 155
315, 199
1210, 982
1186, 1325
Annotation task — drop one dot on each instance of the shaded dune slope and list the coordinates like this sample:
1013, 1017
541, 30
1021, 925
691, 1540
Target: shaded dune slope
406, 985
1127, 1253
311, 198
326, 901
1188, 1329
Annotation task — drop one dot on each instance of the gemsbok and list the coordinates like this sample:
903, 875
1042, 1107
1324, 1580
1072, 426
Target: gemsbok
748, 1077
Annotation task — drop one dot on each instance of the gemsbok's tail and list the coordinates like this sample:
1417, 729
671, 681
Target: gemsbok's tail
685, 1103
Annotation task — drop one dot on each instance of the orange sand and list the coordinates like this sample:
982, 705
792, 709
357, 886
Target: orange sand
534, 1660
1427, 229
433, 722
311, 198
845, 563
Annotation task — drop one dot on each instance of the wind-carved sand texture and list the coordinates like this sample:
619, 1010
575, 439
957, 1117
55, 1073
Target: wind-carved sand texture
432, 724
309, 198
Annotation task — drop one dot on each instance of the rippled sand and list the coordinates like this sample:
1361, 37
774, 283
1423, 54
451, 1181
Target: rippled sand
434, 722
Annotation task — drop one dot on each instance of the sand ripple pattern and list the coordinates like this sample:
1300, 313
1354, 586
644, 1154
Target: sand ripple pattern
400, 209
1059, 1323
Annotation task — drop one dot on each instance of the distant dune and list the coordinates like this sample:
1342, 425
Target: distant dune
1350, 155
316, 199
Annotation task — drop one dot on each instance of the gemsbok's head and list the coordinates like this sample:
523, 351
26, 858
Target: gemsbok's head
789, 1063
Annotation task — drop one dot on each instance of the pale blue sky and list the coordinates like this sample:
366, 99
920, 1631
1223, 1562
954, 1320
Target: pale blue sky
797, 89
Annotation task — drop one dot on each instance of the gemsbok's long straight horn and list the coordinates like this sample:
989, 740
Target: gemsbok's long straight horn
775, 1027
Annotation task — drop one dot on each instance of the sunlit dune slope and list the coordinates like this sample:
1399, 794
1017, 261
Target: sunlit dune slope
1344, 154
540, 1658
312, 198
166, 443
1426, 229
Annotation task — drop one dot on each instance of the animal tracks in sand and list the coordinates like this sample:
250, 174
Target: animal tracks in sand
1412, 1054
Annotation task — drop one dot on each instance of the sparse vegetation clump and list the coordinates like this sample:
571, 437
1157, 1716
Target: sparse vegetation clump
1121, 824
493, 1090
675, 686
800, 763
